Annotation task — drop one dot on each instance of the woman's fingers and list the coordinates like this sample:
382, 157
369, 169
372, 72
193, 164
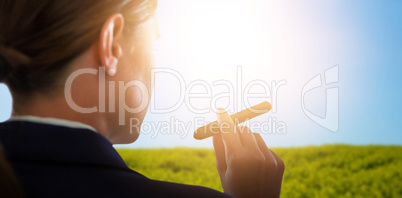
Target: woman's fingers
219, 153
247, 138
279, 162
230, 139
264, 149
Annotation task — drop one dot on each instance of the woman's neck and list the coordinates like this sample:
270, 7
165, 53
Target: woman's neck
55, 106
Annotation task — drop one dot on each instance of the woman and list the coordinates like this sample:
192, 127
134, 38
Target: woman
63, 60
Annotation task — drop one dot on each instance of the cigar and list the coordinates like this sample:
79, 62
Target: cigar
239, 117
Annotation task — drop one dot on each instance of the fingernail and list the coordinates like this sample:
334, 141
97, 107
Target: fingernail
223, 116
220, 110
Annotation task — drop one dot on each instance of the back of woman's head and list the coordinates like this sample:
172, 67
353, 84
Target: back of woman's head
38, 39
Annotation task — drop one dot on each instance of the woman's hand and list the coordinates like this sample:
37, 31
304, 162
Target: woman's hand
246, 166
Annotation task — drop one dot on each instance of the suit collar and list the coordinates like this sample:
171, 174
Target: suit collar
52, 121
43, 143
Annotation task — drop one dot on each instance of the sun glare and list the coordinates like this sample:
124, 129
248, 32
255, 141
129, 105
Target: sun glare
222, 36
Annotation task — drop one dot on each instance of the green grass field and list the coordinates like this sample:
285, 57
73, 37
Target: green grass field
316, 171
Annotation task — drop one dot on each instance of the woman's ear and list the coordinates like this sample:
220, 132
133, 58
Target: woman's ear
110, 50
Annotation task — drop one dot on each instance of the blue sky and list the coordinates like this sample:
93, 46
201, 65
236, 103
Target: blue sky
290, 41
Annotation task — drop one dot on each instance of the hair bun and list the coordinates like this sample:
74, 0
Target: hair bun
10, 58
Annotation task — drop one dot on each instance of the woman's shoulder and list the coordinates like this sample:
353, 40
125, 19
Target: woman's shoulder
55, 160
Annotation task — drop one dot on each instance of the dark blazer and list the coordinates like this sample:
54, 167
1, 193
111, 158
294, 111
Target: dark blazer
55, 161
